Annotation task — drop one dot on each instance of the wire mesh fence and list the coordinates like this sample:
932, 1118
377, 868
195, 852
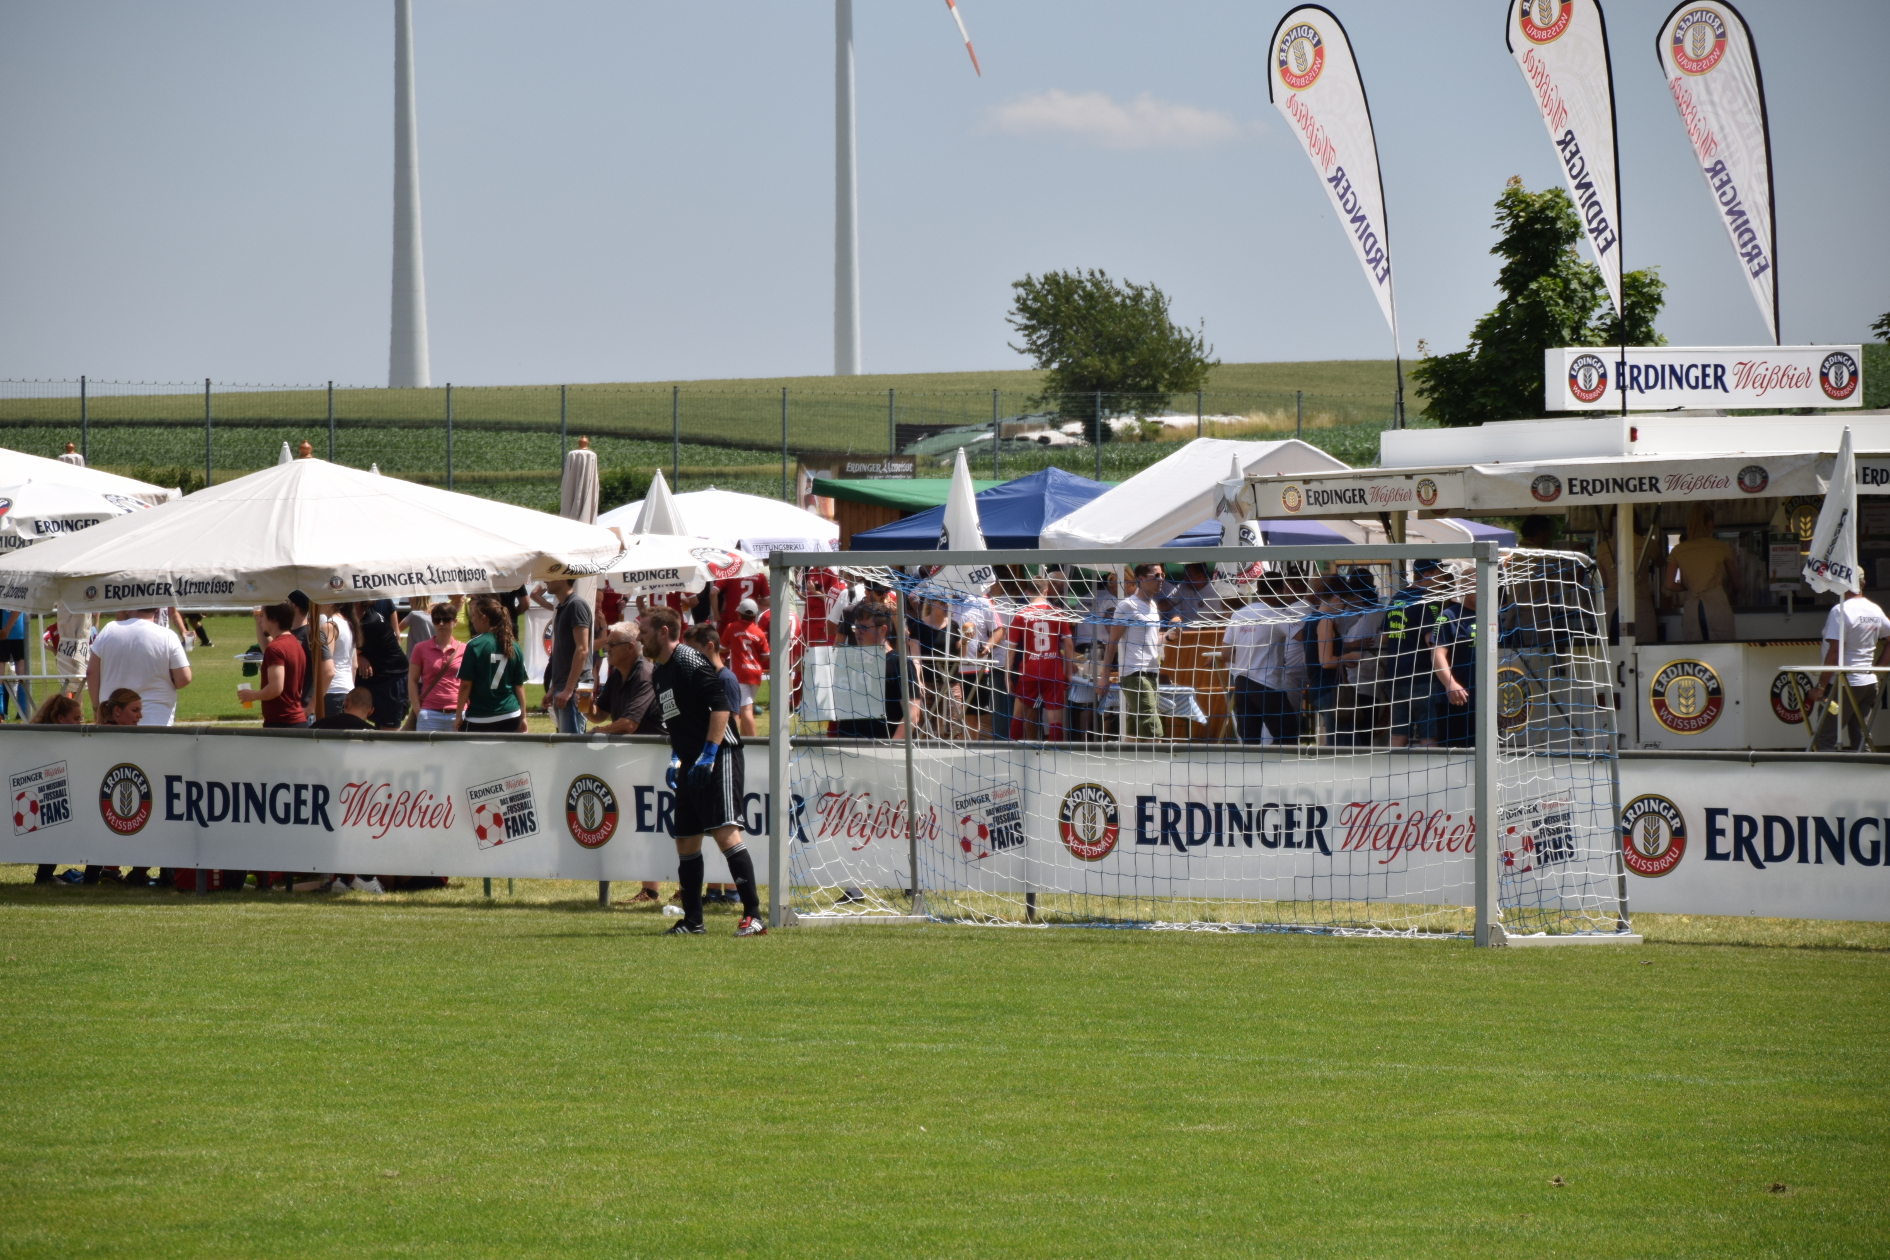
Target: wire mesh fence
508, 442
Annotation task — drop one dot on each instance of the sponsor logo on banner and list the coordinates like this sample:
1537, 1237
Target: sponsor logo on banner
1291, 499
1699, 40
590, 811
1547, 488
1653, 836
1587, 377
40, 799
1788, 693
503, 810
1088, 821
1535, 835
1837, 376
1512, 697
720, 564
1753, 478
124, 799
1301, 56
859, 818
1543, 21
990, 821
337, 583
1426, 492
1686, 697
376, 807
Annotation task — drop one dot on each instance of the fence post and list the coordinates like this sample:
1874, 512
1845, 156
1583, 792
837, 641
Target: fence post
562, 416
994, 436
331, 422
675, 437
85, 427
1197, 413
784, 486
449, 435
1097, 435
1299, 412
892, 427
206, 431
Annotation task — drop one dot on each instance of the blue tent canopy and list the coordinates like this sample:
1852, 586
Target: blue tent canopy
1011, 515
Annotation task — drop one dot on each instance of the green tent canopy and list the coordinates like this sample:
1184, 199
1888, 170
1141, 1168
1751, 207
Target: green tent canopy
913, 494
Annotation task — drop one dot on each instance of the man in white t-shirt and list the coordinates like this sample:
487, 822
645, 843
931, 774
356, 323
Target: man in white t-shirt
136, 652
1136, 641
1865, 633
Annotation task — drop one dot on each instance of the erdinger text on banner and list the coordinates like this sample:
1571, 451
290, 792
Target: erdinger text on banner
1313, 80
1662, 378
1561, 47
1712, 70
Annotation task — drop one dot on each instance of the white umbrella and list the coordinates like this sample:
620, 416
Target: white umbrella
17, 468
657, 564
335, 533
657, 514
577, 497
35, 511
737, 522
961, 531
1831, 564
285, 457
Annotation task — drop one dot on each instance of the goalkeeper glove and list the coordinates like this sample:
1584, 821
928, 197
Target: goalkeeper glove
669, 775
704, 767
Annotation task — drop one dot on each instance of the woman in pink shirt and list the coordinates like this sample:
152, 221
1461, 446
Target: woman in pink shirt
433, 673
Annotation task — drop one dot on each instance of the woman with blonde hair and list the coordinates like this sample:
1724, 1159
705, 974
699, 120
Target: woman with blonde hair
1706, 569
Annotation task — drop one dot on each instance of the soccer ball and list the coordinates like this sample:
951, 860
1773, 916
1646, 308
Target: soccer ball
489, 824
19, 813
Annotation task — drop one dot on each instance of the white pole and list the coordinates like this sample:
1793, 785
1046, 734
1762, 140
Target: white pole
1626, 574
1484, 797
407, 343
846, 201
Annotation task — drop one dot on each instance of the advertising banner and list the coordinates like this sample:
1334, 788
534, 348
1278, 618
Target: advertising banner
1664, 378
1561, 47
1712, 70
1313, 80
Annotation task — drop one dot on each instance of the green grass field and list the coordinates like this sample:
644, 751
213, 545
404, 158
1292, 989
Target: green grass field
435, 1075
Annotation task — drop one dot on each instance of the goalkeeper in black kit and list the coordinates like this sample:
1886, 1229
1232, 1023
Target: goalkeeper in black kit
705, 769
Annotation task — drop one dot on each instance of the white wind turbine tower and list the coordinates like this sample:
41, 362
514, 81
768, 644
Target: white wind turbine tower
846, 195
407, 343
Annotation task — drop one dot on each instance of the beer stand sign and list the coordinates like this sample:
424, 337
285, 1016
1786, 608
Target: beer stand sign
1686, 696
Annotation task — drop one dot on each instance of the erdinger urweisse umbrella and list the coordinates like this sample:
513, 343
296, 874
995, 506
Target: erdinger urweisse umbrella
18, 468
736, 522
657, 564
334, 533
36, 511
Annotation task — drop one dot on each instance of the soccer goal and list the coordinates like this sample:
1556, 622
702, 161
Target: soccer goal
1229, 738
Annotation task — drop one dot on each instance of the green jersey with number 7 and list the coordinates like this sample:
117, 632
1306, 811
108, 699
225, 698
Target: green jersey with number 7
493, 677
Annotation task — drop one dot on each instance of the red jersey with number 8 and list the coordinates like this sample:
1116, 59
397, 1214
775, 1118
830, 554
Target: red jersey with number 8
1037, 637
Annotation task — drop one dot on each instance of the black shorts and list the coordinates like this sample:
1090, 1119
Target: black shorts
716, 804
12, 650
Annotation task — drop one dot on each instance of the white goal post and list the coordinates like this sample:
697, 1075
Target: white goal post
1282, 738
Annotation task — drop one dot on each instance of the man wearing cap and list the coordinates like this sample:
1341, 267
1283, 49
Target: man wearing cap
745, 647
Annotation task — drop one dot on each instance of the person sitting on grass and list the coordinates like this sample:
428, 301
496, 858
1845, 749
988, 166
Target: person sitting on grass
357, 713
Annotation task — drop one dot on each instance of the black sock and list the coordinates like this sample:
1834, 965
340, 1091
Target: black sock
689, 875
741, 868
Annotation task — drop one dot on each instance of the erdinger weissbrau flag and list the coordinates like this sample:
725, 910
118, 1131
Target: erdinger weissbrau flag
1561, 47
961, 531
1712, 71
1832, 563
1313, 80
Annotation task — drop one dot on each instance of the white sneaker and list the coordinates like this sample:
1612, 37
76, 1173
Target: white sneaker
336, 885
372, 885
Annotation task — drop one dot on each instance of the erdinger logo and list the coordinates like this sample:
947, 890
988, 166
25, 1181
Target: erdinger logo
1837, 375
1547, 488
6, 505
1753, 478
1291, 499
1686, 697
720, 564
91, 592
1545, 20
1302, 55
1588, 377
1699, 41
124, 799
1653, 836
1788, 693
1512, 697
1088, 822
1426, 492
337, 583
590, 811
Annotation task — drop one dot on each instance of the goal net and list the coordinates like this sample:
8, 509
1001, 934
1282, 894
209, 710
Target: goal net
1232, 745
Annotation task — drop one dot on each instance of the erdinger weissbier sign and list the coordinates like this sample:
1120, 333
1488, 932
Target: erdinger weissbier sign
1561, 47
1313, 80
1712, 70
1664, 378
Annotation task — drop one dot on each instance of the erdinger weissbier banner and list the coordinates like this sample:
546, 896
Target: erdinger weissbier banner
1712, 69
1313, 80
1561, 46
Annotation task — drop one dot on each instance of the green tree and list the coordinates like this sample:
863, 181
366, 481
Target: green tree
1093, 335
1882, 327
1550, 298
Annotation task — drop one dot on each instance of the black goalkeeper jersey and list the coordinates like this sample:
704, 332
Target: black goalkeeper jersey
688, 691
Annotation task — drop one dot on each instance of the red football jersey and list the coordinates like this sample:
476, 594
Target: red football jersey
823, 585
734, 590
745, 648
1037, 637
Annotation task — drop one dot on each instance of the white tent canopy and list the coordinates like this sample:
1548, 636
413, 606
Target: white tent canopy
35, 511
1167, 499
18, 468
334, 533
735, 522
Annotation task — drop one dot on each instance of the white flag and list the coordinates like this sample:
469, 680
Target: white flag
1561, 46
1832, 564
960, 531
1313, 80
1712, 70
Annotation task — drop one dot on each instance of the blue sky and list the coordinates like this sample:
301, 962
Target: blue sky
622, 191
